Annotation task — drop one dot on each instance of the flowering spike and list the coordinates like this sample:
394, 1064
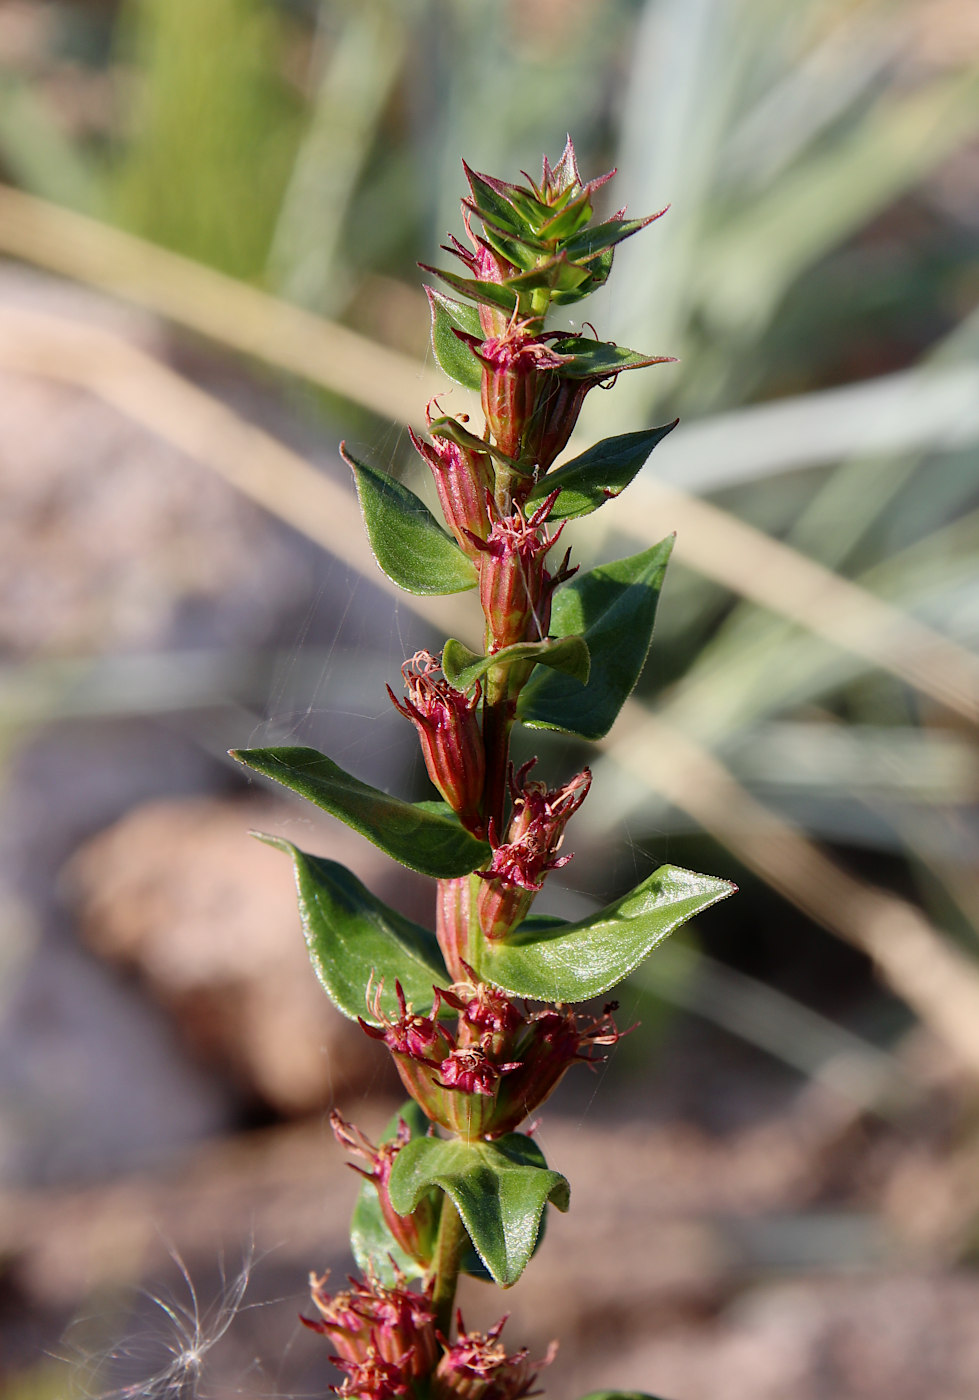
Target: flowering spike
480, 1061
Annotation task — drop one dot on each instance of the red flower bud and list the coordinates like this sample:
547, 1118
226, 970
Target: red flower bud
486, 265
451, 739
521, 863
514, 586
415, 1233
462, 478
452, 924
530, 406
516, 368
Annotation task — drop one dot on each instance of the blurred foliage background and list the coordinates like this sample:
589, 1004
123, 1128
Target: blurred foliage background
260, 177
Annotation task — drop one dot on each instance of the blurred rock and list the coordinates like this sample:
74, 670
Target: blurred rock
177, 892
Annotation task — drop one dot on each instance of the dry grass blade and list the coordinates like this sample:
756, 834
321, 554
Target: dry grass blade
937, 981
781, 580
214, 305
713, 542
253, 461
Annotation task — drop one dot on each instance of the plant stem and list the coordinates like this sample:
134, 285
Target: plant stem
448, 1258
497, 722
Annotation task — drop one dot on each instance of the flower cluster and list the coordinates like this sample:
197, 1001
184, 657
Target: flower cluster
386, 1341
383, 1338
483, 1076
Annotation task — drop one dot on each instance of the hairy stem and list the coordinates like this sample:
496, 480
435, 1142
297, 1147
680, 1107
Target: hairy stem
446, 1264
498, 716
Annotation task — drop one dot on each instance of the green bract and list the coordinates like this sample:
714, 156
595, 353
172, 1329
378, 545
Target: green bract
454, 355
421, 835
596, 359
408, 542
572, 962
598, 475
620, 1395
613, 607
356, 942
462, 667
499, 1188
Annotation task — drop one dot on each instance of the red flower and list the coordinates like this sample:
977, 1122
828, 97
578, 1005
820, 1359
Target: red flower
521, 863
462, 478
384, 1337
415, 1233
476, 1367
451, 739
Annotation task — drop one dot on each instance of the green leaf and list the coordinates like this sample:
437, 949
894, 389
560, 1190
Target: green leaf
557, 275
598, 359
489, 203
599, 268
597, 239
462, 668
621, 1395
499, 1188
529, 208
572, 962
411, 832
408, 542
454, 355
374, 1247
566, 224
517, 251
600, 474
353, 938
613, 607
494, 294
